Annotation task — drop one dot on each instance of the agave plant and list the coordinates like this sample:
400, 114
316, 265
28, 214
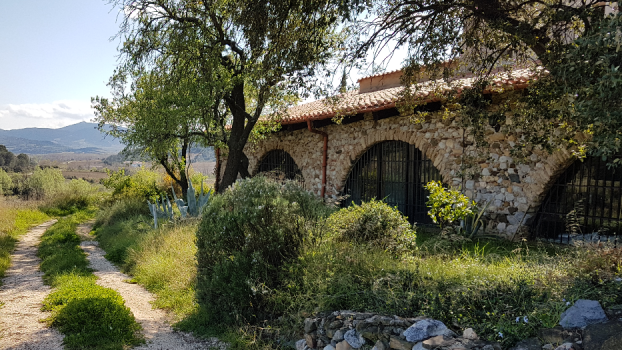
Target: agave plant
194, 206
162, 209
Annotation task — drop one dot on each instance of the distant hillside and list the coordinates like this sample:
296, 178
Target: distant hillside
77, 138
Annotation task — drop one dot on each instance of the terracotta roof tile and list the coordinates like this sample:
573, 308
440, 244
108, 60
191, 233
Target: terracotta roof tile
355, 102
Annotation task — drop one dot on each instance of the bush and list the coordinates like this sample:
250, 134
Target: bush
373, 222
6, 184
246, 237
45, 182
143, 184
121, 210
73, 196
447, 206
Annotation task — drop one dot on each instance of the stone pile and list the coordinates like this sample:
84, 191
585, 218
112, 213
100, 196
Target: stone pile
347, 330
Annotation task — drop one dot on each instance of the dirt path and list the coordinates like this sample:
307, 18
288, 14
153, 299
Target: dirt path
22, 293
156, 328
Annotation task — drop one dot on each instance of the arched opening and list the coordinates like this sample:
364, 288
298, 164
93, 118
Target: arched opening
585, 203
279, 165
395, 172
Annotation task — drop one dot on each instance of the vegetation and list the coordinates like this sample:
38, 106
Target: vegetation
232, 54
90, 316
374, 223
11, 163
481, 283
16, 217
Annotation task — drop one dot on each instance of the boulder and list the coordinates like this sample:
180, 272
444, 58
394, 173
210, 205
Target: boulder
606, 336
343, 345
582, 314
301, 344
439, 341
381, 345
425, 329
528, 344
552, 335
614, 311
338, 336
329, 347
399, 344
354, 338
310, 325
565, 346
469, 333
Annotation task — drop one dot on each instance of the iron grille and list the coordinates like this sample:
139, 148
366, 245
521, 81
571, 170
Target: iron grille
280, 166
395, 172
585, 203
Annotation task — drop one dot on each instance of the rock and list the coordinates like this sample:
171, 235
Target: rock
343, 345
338, 336
614, 311
582, 314
547, 347
311, 341
419, 346
329, 347
425, 329
354, 338
564, 346
372, 333
380, 345
552, 335
301, 344
528, 344
399, 344
469, 333
310, 325
438, 341
605, 336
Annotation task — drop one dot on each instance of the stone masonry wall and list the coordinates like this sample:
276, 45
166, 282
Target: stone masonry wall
514, 189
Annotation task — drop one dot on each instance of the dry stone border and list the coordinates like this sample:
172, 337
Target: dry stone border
155, 322
22, 293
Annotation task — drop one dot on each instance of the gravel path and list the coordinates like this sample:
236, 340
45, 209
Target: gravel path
22, 293
156, 328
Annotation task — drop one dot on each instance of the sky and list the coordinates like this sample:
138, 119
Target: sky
56, 55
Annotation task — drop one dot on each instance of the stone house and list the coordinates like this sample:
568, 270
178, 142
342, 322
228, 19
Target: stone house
360, 145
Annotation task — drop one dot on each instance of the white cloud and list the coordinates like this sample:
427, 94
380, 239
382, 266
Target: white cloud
45, 115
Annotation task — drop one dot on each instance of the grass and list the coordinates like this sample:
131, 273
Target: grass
16, 217
90, 316
485, 284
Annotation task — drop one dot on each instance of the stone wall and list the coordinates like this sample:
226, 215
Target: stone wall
514, 189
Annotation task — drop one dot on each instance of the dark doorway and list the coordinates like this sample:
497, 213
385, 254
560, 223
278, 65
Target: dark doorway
585, 203
279, 165
393, 171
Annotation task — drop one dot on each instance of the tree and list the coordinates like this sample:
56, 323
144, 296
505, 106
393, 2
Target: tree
573, 104
250, 53
167, 110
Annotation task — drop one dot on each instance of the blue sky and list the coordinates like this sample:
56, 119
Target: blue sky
56, 55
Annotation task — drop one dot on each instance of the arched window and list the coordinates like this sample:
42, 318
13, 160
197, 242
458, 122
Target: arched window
585, 203
395, 172
281, 166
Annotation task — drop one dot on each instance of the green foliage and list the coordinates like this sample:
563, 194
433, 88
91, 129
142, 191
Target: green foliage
447, 206
120, 210
375, 223
90, 316
74, 196
143, 184
15, 219
9, 162
6, 183
44, 183
246, 237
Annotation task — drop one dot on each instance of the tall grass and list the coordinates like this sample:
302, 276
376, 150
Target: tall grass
90, 316
16, 217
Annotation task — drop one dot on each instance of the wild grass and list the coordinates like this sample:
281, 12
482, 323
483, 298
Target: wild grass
90, 316
161, 260
16, 217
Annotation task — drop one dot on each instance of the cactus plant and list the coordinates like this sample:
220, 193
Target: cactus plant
162, 209
194, 206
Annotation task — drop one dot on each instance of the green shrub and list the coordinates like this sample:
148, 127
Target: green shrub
143, 184
373, 222
6, 184
44, 183
246, 237
447, 206
122, 209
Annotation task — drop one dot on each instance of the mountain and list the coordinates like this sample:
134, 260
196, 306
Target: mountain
77, 138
